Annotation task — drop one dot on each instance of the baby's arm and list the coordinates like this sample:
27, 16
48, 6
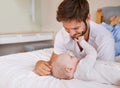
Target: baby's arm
86, 64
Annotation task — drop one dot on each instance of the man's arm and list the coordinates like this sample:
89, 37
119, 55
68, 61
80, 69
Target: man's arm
43, 68
53, 57
106, 50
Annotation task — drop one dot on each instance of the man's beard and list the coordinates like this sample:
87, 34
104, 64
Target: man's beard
75, 36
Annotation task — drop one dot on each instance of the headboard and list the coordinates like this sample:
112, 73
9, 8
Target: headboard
103, 14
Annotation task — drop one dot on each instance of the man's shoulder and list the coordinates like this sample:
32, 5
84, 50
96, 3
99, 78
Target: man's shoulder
100, 34
62, 33
98, 30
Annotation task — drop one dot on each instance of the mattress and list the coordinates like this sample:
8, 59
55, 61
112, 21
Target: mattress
16, 71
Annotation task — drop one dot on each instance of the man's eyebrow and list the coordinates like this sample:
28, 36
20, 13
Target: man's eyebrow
76, 27
71, 28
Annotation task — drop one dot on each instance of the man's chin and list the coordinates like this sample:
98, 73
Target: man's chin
75, 37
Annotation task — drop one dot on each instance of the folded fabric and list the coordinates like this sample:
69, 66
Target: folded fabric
115, 30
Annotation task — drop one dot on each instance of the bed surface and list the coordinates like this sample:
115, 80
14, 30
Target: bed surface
16, 71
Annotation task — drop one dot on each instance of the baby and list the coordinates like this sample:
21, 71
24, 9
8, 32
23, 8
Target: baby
88, 68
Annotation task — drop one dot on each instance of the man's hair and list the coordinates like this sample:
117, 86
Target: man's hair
73, 10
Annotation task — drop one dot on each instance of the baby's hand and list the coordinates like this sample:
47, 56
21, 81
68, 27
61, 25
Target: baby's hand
79, 39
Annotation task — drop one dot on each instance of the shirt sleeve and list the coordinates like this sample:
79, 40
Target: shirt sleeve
86, 64
59, 46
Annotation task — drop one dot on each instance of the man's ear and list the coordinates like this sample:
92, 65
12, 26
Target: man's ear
68, 69
88, 17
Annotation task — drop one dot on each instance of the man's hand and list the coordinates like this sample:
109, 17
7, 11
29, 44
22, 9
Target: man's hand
42, 68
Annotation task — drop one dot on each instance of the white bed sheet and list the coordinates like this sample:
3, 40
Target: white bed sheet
16, 71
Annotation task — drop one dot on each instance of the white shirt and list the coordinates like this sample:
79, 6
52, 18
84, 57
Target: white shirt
100, 38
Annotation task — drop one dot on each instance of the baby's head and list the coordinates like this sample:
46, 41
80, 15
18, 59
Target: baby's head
64, 66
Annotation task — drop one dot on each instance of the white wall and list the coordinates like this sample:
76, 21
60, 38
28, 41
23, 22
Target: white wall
15, 17
15, 14
49, 7
46, 15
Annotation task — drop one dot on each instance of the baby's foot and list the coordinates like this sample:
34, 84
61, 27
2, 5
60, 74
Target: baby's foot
115, 21
112, 18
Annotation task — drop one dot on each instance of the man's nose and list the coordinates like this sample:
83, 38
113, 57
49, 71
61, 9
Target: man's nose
72, 32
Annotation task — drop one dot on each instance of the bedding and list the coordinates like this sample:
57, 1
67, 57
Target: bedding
116, 34
16, 71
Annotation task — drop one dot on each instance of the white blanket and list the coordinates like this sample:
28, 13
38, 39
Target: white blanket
16, 71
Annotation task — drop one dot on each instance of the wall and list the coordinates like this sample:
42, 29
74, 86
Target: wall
46, 14
48, 9
15, 17
15, 14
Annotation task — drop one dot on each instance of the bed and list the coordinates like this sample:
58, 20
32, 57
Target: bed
16, 71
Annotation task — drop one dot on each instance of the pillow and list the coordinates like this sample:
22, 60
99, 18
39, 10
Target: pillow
110, 11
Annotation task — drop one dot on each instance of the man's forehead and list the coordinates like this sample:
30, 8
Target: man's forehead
71, 23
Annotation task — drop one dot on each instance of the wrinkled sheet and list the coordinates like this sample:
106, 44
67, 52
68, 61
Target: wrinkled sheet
16, 71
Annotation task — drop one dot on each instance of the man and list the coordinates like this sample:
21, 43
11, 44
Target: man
75, 17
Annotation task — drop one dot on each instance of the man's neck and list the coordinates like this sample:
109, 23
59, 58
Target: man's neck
86, 36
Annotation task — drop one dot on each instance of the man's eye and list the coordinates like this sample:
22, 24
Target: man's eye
76, 28
71, 57
67, 30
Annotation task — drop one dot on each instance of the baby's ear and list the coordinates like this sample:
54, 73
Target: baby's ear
68, 69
